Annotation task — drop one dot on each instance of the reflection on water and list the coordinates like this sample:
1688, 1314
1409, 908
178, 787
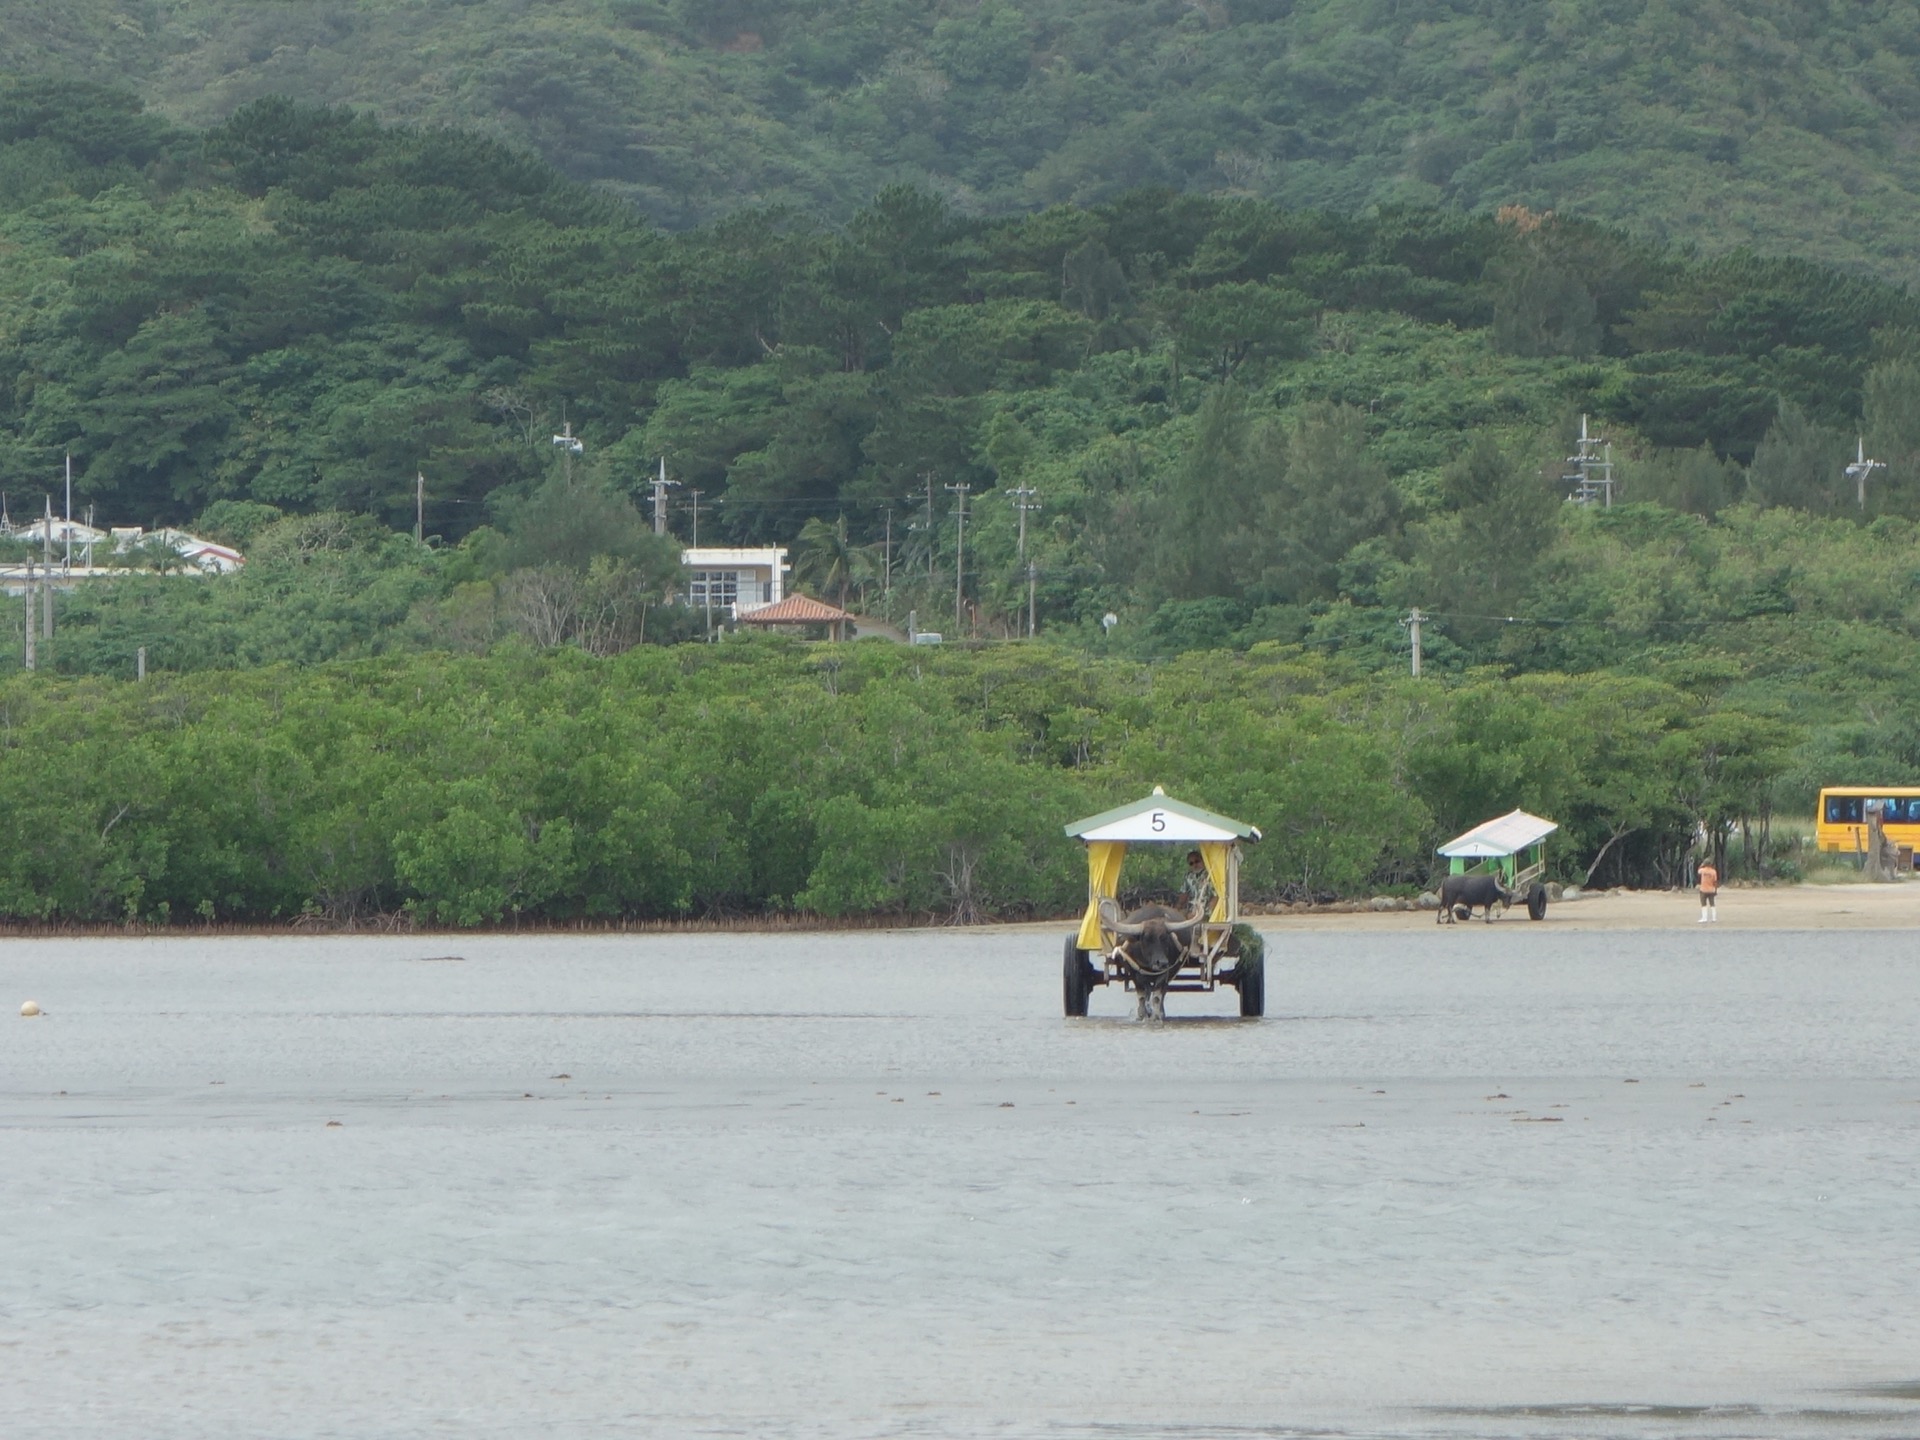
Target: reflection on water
1903, 1390
1542, 1185
1681, 1422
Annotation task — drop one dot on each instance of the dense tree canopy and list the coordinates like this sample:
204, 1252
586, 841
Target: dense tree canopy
847, 780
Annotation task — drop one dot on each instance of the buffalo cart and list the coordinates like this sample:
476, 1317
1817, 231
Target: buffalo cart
1153, 949
1513, 850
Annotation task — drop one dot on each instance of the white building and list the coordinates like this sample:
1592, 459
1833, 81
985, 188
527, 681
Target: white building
741, 581
80, 552
203, 555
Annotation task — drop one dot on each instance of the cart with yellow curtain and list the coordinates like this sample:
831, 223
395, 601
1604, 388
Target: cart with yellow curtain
1154, 949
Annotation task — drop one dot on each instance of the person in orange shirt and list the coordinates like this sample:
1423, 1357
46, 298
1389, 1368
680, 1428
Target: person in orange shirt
1709, 887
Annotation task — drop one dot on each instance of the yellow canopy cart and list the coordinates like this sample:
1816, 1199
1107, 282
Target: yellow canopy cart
1156, 949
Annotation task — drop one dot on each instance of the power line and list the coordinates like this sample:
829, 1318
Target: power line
815, 503
1565, 621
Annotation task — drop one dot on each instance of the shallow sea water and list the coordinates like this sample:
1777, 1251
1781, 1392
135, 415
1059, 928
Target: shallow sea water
1489, 1181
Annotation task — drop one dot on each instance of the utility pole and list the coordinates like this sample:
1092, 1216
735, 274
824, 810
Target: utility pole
927, 475
46, 594
140, 663
570, 445
419, 507
886, 560
1020, 503
660, 485
1023, 501
959, 551
1415, 618
28, 661
1592, 474
69, 563
695, 496
1861, 469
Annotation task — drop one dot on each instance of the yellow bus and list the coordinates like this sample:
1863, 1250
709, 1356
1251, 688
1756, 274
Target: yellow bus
1840, 824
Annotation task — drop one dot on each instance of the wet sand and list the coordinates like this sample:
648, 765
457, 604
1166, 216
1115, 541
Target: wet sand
1770, 907
1513, 1181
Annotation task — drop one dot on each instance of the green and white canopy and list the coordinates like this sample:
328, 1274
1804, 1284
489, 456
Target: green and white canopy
1508, 835
1158, 819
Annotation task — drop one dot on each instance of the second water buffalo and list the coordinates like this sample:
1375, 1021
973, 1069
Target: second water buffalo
1470, 893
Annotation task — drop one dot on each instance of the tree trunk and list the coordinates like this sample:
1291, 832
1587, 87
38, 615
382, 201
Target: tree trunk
1612, 839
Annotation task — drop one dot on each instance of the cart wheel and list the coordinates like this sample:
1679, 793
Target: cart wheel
1537, 902
1250, 976
1076, 978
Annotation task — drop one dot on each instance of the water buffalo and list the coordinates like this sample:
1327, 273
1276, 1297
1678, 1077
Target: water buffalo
1470, 892
1153, 944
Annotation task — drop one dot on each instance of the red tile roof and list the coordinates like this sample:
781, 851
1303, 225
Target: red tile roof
796, 610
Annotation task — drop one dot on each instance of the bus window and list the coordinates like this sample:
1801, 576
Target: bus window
1900, 811
1844, 809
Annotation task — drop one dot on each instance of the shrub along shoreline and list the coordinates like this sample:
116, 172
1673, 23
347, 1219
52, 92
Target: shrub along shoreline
850, 783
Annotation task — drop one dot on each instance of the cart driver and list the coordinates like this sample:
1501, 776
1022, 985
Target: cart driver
1199, 885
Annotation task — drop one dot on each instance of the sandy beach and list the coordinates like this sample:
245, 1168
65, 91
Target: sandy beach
1773, 907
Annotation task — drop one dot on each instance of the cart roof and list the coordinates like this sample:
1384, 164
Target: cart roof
1505, 836
1159, 819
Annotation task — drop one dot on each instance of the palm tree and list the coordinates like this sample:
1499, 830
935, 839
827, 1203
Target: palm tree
826, 559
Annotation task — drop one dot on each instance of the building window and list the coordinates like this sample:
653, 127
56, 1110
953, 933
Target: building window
713, 587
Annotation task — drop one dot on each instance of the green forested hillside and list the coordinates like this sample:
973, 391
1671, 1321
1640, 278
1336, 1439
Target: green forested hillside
1784, 124
301, 309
